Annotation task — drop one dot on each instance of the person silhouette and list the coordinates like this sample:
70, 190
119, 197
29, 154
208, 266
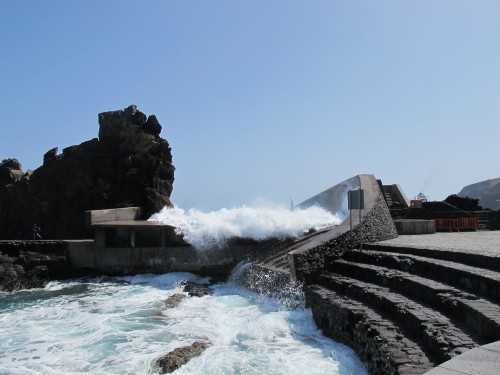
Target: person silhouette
36, 232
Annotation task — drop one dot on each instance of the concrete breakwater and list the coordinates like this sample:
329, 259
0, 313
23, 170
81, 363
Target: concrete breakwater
404, 304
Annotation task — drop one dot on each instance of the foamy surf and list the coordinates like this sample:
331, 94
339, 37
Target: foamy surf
212, 229
121, 325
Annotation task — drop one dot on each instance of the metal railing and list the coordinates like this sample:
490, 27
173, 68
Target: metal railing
457, 224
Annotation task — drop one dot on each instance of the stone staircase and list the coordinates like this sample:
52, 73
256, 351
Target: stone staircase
391, 199
485, 219
419, 310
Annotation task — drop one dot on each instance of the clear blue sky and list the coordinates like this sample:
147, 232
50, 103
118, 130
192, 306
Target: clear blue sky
264, 100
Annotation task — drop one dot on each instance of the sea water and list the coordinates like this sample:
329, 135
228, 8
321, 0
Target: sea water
121, 325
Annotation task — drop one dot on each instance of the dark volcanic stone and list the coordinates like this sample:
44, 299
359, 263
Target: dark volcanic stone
129, 165
178, 357
11, 164
196, 290
174, 300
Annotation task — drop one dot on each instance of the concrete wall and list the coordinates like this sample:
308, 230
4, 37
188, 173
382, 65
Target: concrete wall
333, 199
413, 227
309, 257
126, 260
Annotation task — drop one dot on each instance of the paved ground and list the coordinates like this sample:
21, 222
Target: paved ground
484, 242
484, 360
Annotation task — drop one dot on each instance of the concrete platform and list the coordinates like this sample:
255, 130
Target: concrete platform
484, 360
482, 242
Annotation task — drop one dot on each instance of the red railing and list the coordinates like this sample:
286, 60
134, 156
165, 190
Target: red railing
457, 224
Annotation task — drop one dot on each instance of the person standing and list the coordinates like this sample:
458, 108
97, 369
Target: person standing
36, 232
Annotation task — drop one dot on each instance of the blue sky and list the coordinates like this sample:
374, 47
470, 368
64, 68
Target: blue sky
264, 100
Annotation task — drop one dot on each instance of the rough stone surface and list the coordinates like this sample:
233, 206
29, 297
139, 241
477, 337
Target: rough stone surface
376, 226
379, 344
178, 357
174, 300
129, 165
32, 264
195, 289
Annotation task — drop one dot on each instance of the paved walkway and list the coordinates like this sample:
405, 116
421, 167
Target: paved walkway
484, 360
483, 242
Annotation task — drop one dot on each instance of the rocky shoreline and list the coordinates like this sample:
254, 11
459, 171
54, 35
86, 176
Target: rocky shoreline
32, 264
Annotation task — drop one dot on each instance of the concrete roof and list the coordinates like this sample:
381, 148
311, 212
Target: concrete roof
484, 360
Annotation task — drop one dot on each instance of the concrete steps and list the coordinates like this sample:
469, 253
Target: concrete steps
481, 260
479, 281
479, 317
445, 302
387, 348
435, 333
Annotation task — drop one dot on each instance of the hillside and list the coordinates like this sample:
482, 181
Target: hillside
488, 192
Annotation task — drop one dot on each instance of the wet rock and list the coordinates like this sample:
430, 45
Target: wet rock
32, 269
174, 300
178, 357
20, 270
196, 289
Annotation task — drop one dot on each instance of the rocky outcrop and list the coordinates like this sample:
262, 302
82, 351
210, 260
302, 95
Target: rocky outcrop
488, 192
32, 264
178, 357
128, 165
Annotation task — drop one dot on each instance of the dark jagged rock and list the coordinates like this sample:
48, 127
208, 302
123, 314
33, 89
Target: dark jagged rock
32, 264
178, 357
196, 289
129, 165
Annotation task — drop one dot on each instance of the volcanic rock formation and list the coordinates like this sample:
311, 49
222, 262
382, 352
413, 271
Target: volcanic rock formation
488, 193
128, 165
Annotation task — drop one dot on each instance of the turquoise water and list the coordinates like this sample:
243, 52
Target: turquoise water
121, 326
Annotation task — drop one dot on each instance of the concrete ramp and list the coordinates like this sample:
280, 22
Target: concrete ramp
294, 259
334, 199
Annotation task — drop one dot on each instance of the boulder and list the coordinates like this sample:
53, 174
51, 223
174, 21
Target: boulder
195, 289
174, 300
178, 357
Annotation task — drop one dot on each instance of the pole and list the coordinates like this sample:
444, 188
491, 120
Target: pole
350, 216
360, 234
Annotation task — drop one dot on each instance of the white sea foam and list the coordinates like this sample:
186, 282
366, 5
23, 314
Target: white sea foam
204, 230
121, 325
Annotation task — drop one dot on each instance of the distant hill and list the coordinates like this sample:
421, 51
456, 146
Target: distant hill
488, 192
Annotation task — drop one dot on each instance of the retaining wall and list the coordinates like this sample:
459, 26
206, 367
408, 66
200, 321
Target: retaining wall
85, 255
310, 258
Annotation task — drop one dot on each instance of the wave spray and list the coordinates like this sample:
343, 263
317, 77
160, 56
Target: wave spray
213, 229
